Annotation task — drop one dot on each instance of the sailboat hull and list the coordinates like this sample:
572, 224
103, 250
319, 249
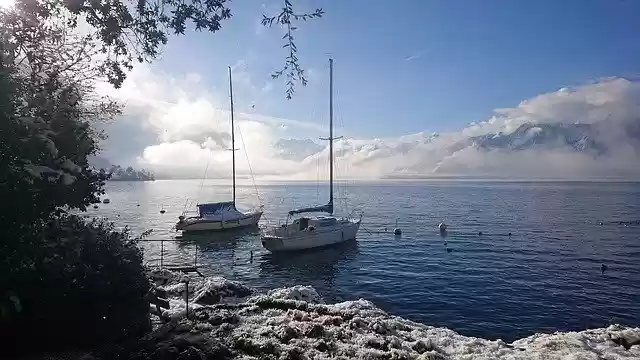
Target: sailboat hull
280, 240
203, 224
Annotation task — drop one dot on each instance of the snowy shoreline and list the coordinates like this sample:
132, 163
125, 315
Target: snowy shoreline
229, 320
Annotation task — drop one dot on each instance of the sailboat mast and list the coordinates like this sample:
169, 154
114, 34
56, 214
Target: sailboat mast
331, 134
233, 139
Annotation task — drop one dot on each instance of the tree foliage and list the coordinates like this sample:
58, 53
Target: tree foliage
82, 285
49, 106
58, 272
83, 282
135, 31
291, 70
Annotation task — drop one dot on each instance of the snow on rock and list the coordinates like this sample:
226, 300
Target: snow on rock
282, 325
212, 290
71, 166
41, 172
67, 179
202, 291
298, 292
49, 144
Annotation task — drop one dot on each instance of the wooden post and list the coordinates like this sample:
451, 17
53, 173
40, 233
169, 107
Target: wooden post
186, 296
161, 253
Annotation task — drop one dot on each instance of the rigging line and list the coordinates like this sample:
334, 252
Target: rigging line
246, 155
206, 169
317, 178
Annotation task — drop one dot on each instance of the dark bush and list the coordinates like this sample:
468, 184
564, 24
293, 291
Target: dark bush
85, 287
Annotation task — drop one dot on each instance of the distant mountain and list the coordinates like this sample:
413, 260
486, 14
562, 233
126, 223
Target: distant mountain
578, 137
296, 149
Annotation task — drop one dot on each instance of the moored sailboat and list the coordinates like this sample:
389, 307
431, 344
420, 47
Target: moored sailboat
313, 232
220, 216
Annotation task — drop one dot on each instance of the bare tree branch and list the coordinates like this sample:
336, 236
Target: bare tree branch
291, 70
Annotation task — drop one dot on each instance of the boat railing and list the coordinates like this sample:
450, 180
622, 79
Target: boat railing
355, 213
159, 262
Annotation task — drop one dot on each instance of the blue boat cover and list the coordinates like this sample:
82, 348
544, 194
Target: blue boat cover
226, 210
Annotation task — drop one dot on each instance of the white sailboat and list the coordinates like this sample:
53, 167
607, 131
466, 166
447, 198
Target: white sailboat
313, 232
220, 216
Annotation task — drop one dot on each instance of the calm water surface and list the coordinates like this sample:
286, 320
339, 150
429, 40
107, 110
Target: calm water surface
545, 277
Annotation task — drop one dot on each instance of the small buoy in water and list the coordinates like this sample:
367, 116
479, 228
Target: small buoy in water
138, 205
162, 211
509, 234
480, 233
449, 250
397, 230
603, 268
442, 227
601, 223
106, 201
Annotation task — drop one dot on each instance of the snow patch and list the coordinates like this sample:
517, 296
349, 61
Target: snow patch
71, 166
40, 171
298, 292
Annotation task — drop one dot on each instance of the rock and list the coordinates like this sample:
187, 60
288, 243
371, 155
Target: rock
315, 331
321, 346
247, 346
215, 350
420, 346
625, 341
287, 333
432, 355
224, 318
183, 327
202, 316
377, 343
214, 289
192, 353
294, 354
208, 298
379, 327
165, 351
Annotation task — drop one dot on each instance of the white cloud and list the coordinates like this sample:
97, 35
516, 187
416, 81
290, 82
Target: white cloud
415, 56
189, 126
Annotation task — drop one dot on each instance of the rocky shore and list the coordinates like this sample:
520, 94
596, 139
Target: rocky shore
230, 321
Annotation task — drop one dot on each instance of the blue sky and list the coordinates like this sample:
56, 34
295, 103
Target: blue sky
408, 66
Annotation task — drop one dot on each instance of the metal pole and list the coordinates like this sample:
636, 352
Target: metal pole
195, 257
233, 142
331, 134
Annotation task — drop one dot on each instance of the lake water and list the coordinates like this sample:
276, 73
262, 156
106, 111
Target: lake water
545, 277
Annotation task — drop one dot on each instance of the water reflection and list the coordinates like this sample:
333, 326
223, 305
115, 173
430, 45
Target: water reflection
215, 241
318, 267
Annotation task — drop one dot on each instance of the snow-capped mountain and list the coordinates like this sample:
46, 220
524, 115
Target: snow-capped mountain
296, 149
579, 137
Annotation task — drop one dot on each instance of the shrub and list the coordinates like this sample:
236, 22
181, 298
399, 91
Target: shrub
85, 286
